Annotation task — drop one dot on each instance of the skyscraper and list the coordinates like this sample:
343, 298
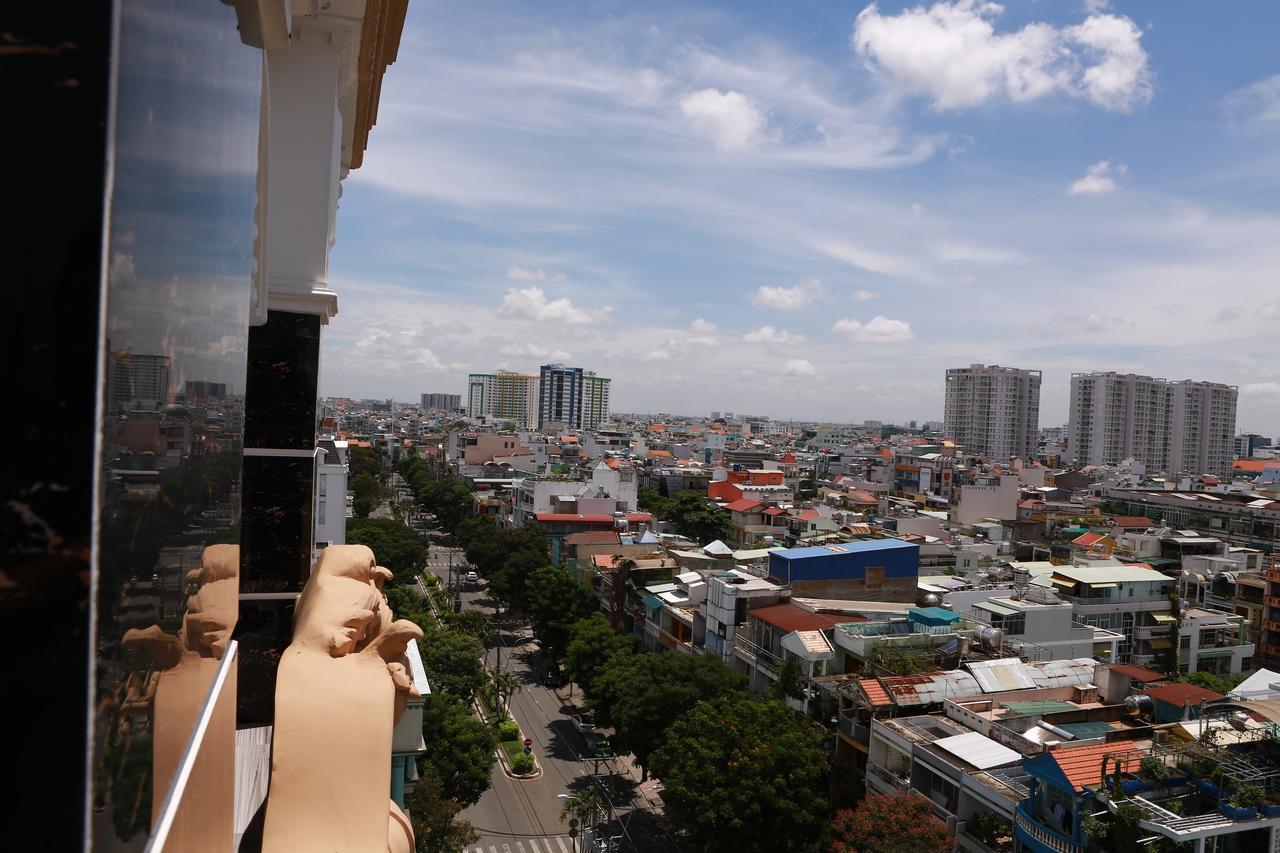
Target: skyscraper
993, 410
503, 396
451, 402
595, 400
1183, 427
560, 391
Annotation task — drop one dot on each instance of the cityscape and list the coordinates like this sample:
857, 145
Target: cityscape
590, 428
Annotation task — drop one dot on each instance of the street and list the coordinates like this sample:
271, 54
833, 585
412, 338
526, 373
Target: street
524, 816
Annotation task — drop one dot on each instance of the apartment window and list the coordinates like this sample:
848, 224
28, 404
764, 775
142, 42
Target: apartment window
320, 510
324, 485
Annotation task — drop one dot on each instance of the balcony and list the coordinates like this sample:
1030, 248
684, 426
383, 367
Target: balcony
884, 776
852, 729
1041, 837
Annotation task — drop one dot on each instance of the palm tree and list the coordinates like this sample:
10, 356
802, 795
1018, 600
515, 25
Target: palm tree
505, 685
584, 805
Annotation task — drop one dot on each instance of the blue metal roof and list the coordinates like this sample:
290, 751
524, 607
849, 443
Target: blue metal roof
859, 547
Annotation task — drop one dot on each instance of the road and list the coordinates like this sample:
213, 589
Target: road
524, 816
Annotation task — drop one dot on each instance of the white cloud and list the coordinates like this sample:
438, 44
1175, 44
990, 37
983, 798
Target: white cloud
531, 350
730, 119
532, 304
799, 367
771, 336
1261, 389
702, 327
879, 329
1097, 179
516, 273
789, 298
865, 295
1257, 102
1120, 79
655, 355
952, 54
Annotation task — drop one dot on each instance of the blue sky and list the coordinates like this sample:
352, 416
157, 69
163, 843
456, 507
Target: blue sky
811, 210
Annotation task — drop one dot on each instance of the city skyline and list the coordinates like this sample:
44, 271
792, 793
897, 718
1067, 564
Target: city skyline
693, 197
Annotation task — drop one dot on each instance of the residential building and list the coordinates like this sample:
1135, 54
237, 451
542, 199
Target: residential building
504, 397
138, 380
595, 400
446, 402
1202, 428
988, 497
331, 494
1118, 416
993, 411
560, 391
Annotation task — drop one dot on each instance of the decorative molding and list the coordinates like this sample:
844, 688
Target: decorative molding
302, 297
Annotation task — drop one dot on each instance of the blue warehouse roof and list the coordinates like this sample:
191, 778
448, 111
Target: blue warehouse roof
864, 546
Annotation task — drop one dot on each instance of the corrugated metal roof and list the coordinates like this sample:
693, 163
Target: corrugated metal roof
789, 618
1037, 707
926, 689
1062, 673
1138, 673
979, 750
995, 676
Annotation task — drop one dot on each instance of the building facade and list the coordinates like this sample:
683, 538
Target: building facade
595, 400
560, 396
504, 396
993, 410
1180, 427
450, 402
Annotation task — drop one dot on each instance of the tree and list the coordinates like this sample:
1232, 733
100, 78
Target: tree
435, 829
611, 681
1223, 684
366, 494
790, 683
395, 546
902, 823
504, 685
592, 642
459, 748
453, 665
473, 623
556, 600
662, 689
696, 517
653, 501
451, 502
583, 805
743, 775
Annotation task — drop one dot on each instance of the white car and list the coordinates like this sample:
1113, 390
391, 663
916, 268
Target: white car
471, 578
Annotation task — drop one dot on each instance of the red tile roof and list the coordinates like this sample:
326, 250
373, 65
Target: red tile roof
743, 505
790, 618
1132, 521
1138, 673
774, 510
1088, 539
874, 691
592, 537
1082, 765
1254, 466
807, 515
1179, 693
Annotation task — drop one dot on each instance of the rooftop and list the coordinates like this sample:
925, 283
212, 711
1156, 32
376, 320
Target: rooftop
790, 618
863, 546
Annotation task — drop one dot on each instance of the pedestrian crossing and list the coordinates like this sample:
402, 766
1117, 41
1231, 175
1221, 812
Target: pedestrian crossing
543, 844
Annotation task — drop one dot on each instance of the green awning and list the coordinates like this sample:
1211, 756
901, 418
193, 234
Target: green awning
998, 609
652, 602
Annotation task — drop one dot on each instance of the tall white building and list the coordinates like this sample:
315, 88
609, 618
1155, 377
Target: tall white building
560, 396
1202, 428
595, 400
993, 410
1178, 427
504, 396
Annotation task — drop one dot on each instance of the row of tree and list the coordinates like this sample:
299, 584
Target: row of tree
738, 773
448, 500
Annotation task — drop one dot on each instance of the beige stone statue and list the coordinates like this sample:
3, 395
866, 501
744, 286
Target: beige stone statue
341, 685
184, 666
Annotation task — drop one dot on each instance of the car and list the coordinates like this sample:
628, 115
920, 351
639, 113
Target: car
583, 723
471, 578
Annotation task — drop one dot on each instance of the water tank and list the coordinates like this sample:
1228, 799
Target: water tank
930, 600
1137, 703
991, 638
766, 541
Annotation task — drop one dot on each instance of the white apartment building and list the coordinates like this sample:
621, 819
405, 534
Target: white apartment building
993, 410
504, 396
595, 400
330, 522
1179, 427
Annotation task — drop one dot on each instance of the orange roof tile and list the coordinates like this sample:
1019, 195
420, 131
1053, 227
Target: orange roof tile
1254, 466
1179, 693
1082, 765
874, 691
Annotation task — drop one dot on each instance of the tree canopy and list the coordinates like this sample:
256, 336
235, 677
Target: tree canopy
505, 557
696, 517
743, 775
433, 814
555, 599
902, 823
459, 748
453, 663
1223, 684
395, 546
659, 691
592, 642
366, 493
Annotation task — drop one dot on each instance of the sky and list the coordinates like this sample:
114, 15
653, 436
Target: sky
811, 210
